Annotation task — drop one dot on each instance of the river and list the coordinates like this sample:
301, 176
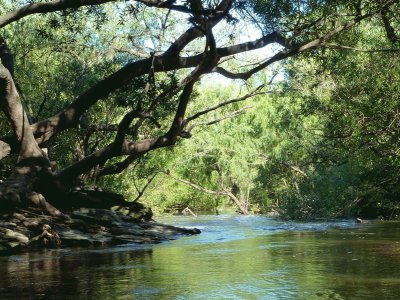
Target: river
235, 257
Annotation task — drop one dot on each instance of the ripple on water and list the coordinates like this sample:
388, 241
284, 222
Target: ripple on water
145, 290
235, 257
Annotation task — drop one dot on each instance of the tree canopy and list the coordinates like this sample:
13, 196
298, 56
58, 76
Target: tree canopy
88, 87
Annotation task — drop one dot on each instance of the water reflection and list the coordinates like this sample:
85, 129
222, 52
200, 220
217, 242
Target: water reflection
234, 258
65, 274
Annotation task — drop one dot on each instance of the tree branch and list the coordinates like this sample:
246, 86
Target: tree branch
117, 167
59, 5
342, 47
193, 33
170, 60
294, 50
165, 4
69, 117
5, 150
224, 192
286, 164
215, 121
136, 148
225, 103
390, 32
141, 192
45, 7
194, 186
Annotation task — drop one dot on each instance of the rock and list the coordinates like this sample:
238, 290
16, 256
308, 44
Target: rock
135, 210
127, 239
8, 224
75, 237
101, 239
91, 219
97, 216
31, 223
13, 245
19, 217
84, 227
174, 229
13, 235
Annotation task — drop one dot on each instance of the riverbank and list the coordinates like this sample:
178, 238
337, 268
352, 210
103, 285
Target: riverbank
31, 229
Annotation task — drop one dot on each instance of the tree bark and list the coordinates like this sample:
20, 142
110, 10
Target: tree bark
32, 163
12, 106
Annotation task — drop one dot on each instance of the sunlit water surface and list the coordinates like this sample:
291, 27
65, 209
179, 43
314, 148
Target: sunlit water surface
235, 257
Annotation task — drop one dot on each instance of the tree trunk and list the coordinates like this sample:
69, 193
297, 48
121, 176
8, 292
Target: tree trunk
32, 164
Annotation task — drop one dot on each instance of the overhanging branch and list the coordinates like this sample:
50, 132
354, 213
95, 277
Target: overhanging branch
197, 115
233, 114
137, 148
294, 50
45, 7
343, 47
170, 60
59, 5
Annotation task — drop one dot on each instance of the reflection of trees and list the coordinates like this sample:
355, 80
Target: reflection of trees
343, 264
336, 264
55, 274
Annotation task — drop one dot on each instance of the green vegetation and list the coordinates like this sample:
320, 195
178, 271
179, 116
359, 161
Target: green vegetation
117, 95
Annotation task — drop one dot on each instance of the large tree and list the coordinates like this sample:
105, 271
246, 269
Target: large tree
295, 26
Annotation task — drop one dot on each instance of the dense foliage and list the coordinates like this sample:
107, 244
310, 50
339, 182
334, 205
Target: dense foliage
104, 83
323, 143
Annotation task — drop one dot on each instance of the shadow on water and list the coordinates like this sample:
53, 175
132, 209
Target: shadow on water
234, 258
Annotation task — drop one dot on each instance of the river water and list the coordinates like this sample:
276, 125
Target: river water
235, 257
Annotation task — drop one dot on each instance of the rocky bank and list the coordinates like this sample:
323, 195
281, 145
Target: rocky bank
30, 229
